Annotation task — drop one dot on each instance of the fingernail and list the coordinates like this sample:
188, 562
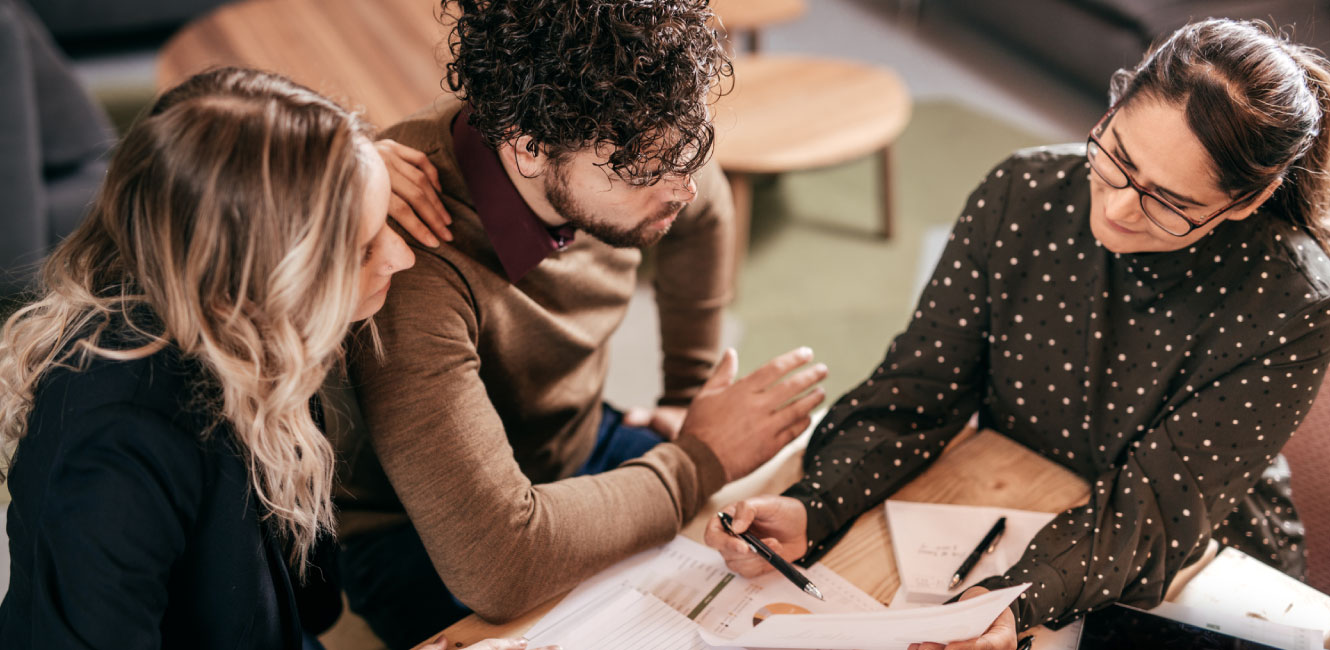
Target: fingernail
432, 243
821, 367
805, 352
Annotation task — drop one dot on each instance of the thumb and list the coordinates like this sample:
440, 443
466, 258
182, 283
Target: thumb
637, 417
725, 371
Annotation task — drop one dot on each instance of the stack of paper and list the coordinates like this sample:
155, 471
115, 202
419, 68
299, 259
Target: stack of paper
931, 540
680, 594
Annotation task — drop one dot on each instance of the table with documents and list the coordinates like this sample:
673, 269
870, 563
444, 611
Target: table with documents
666, 610
983, 468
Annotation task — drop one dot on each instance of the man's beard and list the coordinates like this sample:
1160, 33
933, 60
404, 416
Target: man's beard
646, 233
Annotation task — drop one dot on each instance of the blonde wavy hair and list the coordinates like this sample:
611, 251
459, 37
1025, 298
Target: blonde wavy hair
229, 216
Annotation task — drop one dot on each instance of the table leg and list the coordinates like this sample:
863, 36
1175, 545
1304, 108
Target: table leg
741, 188
886, 194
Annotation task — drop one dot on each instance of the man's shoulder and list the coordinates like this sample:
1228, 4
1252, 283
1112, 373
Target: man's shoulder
428, 129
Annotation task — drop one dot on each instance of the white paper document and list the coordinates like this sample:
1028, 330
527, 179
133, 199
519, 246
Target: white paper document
885, 630
625, 618
692, 581
932, 539
1237, 590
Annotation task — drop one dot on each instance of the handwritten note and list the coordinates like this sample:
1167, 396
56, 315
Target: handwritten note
931, 540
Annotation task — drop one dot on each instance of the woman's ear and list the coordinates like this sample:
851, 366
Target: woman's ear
1257, 202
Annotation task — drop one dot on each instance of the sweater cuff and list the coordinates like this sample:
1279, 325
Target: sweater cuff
710, 473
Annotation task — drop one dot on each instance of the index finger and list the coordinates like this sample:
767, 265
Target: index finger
777, 367
715, 535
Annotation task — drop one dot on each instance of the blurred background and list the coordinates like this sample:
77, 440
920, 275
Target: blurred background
852, 143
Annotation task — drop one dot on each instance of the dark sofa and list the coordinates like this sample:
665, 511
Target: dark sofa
95, 24
1087, 40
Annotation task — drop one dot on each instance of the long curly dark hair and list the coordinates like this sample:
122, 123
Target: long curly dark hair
636, 75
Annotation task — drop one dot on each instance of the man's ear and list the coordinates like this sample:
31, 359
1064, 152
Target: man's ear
517, 151
1258, 201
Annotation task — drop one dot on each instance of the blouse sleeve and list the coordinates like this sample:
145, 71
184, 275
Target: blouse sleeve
1155, 511
884, 432
113, 523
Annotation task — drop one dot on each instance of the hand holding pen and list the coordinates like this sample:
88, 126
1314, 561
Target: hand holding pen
781, 564
780, 522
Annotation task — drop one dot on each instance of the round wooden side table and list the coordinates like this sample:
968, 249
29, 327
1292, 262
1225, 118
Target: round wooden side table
750, 16
791, 113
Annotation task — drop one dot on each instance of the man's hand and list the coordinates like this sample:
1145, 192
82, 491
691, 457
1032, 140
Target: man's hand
665, 420
746, 422
780, 522
415, 203
1001, 635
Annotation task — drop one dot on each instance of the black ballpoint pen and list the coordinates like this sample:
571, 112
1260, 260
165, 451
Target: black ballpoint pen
986, 545
786, 569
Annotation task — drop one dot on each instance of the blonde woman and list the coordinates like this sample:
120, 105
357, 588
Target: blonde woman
170, 479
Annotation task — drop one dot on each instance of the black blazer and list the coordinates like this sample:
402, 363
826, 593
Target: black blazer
130, 528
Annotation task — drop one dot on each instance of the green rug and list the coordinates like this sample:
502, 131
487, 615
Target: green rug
817, 273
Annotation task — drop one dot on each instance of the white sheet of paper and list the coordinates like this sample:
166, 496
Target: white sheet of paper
884, 630
692, 579
1236, 586
625, 618
932, 539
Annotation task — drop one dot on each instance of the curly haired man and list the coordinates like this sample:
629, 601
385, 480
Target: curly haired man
488, 474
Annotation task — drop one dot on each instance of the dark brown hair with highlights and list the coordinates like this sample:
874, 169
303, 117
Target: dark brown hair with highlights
636, 75
1259, 104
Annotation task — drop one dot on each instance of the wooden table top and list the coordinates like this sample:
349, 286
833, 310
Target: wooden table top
787, 113
984, 469
384, 56
756, 14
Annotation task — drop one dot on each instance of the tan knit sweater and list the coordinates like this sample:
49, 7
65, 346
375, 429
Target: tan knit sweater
488, 398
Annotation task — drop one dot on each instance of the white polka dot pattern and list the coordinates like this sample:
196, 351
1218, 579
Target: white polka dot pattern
1169, 381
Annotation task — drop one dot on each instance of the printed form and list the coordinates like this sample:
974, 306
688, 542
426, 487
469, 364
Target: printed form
681, 596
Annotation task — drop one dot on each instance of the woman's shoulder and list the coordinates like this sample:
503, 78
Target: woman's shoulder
1043, 161
155, 402
160, 381
1037, 188
1292, 258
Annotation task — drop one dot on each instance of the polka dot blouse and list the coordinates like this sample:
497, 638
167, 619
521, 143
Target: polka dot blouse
1168, 381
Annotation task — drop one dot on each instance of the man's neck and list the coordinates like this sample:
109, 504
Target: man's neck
532, 189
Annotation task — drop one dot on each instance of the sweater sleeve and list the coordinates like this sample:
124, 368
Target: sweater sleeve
1155, 511
693, 284
114, 520
888, 429
501, 543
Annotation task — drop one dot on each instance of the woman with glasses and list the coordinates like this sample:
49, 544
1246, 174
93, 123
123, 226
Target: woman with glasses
1150, 310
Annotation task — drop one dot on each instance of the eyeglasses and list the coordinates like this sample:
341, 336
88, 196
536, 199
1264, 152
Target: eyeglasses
1173, 220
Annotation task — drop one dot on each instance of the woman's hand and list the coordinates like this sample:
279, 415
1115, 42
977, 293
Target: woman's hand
415, 203
780, 522
1001, 635
440, 643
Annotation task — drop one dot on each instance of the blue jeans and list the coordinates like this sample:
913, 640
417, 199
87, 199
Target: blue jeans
390, 580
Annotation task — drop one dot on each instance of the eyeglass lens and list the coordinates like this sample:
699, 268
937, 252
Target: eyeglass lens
1164, 216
